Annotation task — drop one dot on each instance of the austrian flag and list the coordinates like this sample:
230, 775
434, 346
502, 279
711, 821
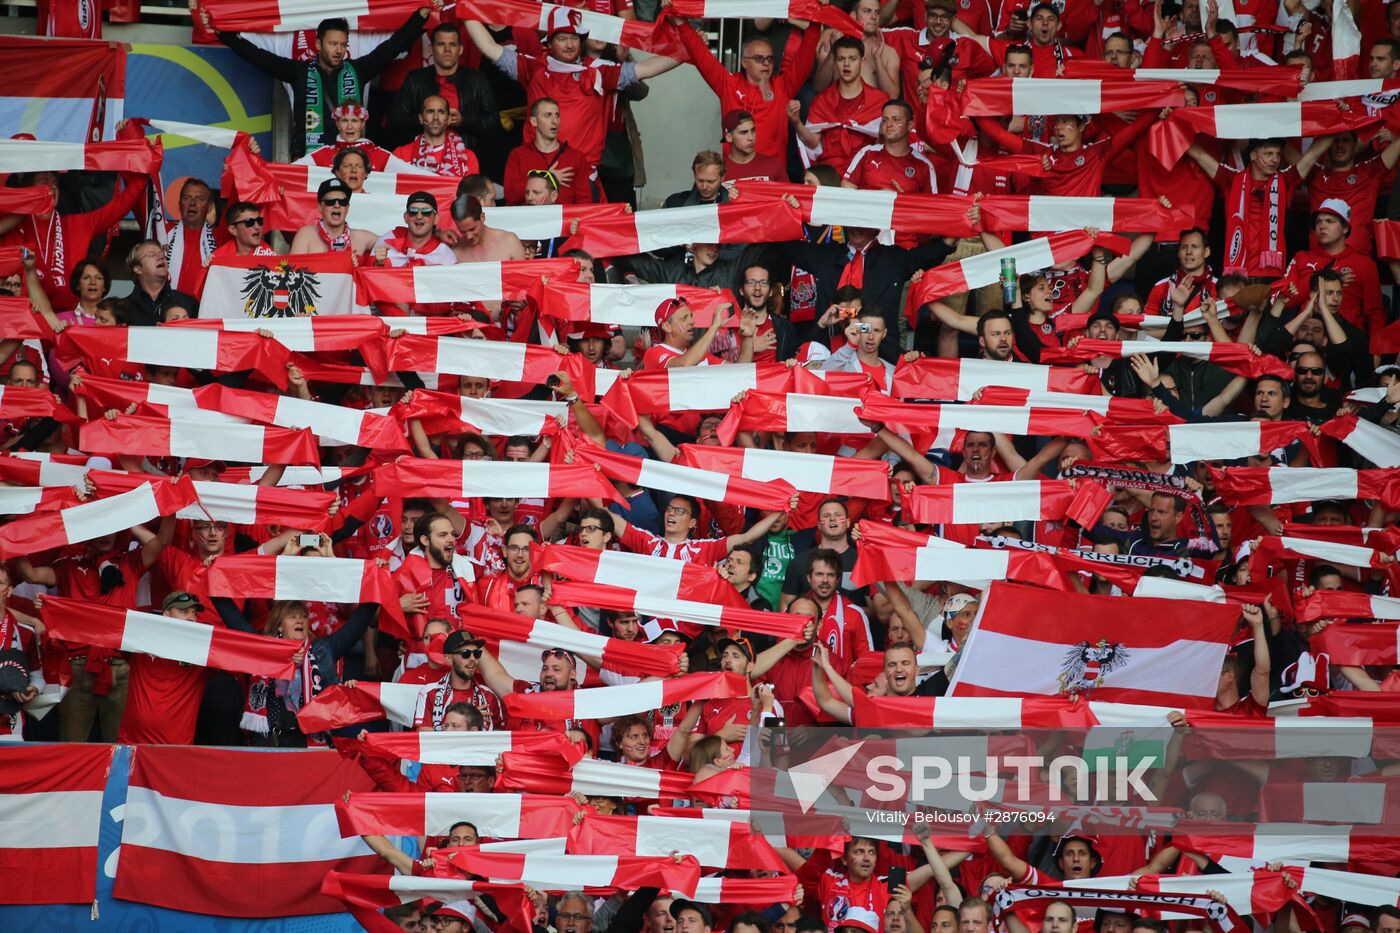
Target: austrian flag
279, 286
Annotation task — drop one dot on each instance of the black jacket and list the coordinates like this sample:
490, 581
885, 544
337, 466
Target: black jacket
887, 269
476, 101
294, 72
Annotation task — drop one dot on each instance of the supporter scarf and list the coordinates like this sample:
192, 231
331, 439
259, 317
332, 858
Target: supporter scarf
348, 87
401, 244
442, 699
48, 250
967, 161
175, 247
269, 700
1203, 537
1239, 250
448, 159
337, 243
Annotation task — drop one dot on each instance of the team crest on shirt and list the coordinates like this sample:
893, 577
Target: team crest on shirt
283, 290
1351, 179
1086, 665
1079, 161
909, 171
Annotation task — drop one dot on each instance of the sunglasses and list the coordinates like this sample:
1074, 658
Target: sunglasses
1193, 335
249, 222
548, 653
470, 653
761, 59
1310, 370
420, 211
546, 175
336, 202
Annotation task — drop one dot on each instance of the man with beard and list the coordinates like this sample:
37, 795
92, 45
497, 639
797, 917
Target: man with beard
1312, 400
842, 626
1157, 537
438, 149
497, 591
460, 685
414, 244
774, 340
332, 233
189, 241
831, 534
433, 578
900, 679
996, 336
1362, 305
471, 112
892, 164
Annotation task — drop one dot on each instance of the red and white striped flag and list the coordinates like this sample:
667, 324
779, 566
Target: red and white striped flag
52, 809
960, 380
165, 637
1166, 653
965, 275
602, 596
629, 305
332, 333
548, 872
635, 34
332, 424
258, 287
364, 895
1169, 139
28, 468
271, 867
1264, 843
182, 347
625, 700
126, 155
466, 281
1013, 501
503, 417
661, 576
1047, 214
103, 393
818, 473
944, 420
469, 748
77, 96
293, 15
792, 412
1238, 358
782, 889
186, 436
692, 388
364, 701
706, 485
1110, 407
313, 579
952, 713
26, 500
1281, 485
636, 658
1375, 90
17, 318
996, 97
1371, 441
1346, 555
525, 772
498, 360
237, 503
1256, 892
643, 231
713, 843
411, 476
496, 816
19, 402
1277, 82
812, 10
1187, 443
1346, 604
945, 214
112, 515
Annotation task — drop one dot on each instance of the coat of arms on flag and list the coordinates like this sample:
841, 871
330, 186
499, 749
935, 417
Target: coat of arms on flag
271, 287
283, 290
1086, 665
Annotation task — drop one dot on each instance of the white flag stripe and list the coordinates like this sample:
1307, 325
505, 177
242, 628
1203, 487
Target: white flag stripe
294, 333
333, 424
1191, 667
1007, 419
234, 503
974, 503
20, 500
1330, 551
1259, 121
608, 702
592, 776
173, 346
1163, 588
855, 208
1054, 214
986, 268
687, 610
659, 229
209, 135
1386, 607
1354, 887
318, 579
1375, 443
626, 305
548, 872
509, 416
462, 748
218, 832
968, 566
400, 701
495, 815
541, 222
465, 281
1336, 90
1187, 75
1069, 401
806, 472
571, 640
736, 9
1302, 484
978, 713
643, 573
18, 155
1308, 844
216, 440
831, 414
51, 820
1312, 736
707, 840
520, 480
709, 388
1352, 802
978, 374
110, 515
702, 484
1228, 441
489, 359
1049, 96
166, 637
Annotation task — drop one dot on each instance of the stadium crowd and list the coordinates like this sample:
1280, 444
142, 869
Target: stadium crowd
767, 478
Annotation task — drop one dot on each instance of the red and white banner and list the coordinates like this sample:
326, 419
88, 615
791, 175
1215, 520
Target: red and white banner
126, 155
109, 516
17, 318
73, 90
271, 867
496, 816
960, 380
182, 347
1281, 485
951, 713
1277, 82
549, 872
964, 275
626, 700
601, 596
333, 424
812, 10
299, 285
381, 891
629, 305
1255, 892
944, 214
293, 15
237, 503
493, 417
944, 420
411, 476
1046, 214
1371, 441
1166, 653
782, 889
995, 97
713, 843
364, 701
498, 360
1238, 358
635, 34
1012, 501
818, 473
312, 579
185, 436
1187, 443
1110, 407
1376, 89
19, 402
706, 485
792, 412
26, 500
194, 643
333, 333
661, 576
1265, 842
1169, 139
103, 394
643, 231
27, 468
466, 281
637, 658
1346, 42
1347, 604
540, 774
469, 748
52, 808
1347, 555
692, 388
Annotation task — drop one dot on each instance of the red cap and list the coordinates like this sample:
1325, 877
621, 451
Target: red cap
564, 20
667, 309
591, 329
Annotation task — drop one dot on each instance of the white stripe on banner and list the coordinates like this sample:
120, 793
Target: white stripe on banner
610, 779
1259, 121
1162, 588
109, 516
1053, 214
1305, 485
626, 305
996, 502
1308, 844
1352, 802
744, 9
234, 503
1050, 96
1006, 419
659, 836
540, 222
19, 155
548, 872
52, 819
702, 484
220, 440
985, 269
462, 748
1312, 736
496, 815
509, 416
642, 573
570, 639
960, 565
333, 424
320, 579
489, 359
806, 472
305, 14
518, 481
1336, 90
20, 500
605, 702
465, 281
209, 135
823, 413
1375, 443
173, 346
174, 639
400, 701
295, 333
978, 374
855, 208
1229, 441
1183, 75
709, 388
217, 832
661, 228
1351, 886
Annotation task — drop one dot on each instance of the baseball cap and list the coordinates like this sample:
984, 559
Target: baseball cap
812, 352
1355, 918
421, 197
1042, 5
1336, 207
180, 599
196, 463
733, 118
680, 904
458, 640
667, 309
1104, 314
1388, 368
860, 918
653, 629
330, 186
461, 910
562, 19
743, 646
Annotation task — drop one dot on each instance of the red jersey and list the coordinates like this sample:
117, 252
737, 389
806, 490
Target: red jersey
1358, 186
586, 94
1157, 299
1362, 303
845, 631
759, 168
524, 159
914, 45
838, 893
875, 168
1045, 59
691, 550
497, 591
444, 587
841, 143
162, 701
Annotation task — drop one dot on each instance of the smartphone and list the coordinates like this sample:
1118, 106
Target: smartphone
898, 875
309, 541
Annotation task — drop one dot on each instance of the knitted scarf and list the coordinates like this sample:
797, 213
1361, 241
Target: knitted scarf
448, 159
347, 87
273, 704
1203, 530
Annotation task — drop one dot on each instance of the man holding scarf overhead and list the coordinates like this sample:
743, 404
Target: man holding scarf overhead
319, 87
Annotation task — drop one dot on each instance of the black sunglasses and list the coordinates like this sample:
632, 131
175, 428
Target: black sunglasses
1309, 370
421, 211
249, 222
1194, 336
335, 202
469, 653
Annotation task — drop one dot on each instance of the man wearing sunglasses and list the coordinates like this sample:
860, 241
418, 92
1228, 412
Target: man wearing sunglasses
461, 685
556, 673
332, 233
414, 244
1312, 400
245, 226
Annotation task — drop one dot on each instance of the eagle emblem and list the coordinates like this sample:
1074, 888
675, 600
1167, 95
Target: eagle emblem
283, 290
1086, 665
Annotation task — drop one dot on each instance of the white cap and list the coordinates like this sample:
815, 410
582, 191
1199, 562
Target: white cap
1335, 206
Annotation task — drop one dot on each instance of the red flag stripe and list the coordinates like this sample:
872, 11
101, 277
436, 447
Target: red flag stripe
627, 234
713, 843
496, 816
702, 484
410, 476
660, 575
794, 9
184, 347
610, 702
974, 503
1280, 485
1275, 81
1371, 441
366, 700
18, 403
959, 380
52, 809
778, 624
1237, 358
490, 416
237, 503
323, 579
334, 425
629, 305
946, 419
290, 15
17, 318
126, 155
469, 748
1169, 139
505, 361
465, 281
792, 412
548, 872
698, 388
1109, 406
633, 658
89, 520
1186, 443
1346, 604
819, 473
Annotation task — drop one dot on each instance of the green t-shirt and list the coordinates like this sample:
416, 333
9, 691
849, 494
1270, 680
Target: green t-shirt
777, 554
